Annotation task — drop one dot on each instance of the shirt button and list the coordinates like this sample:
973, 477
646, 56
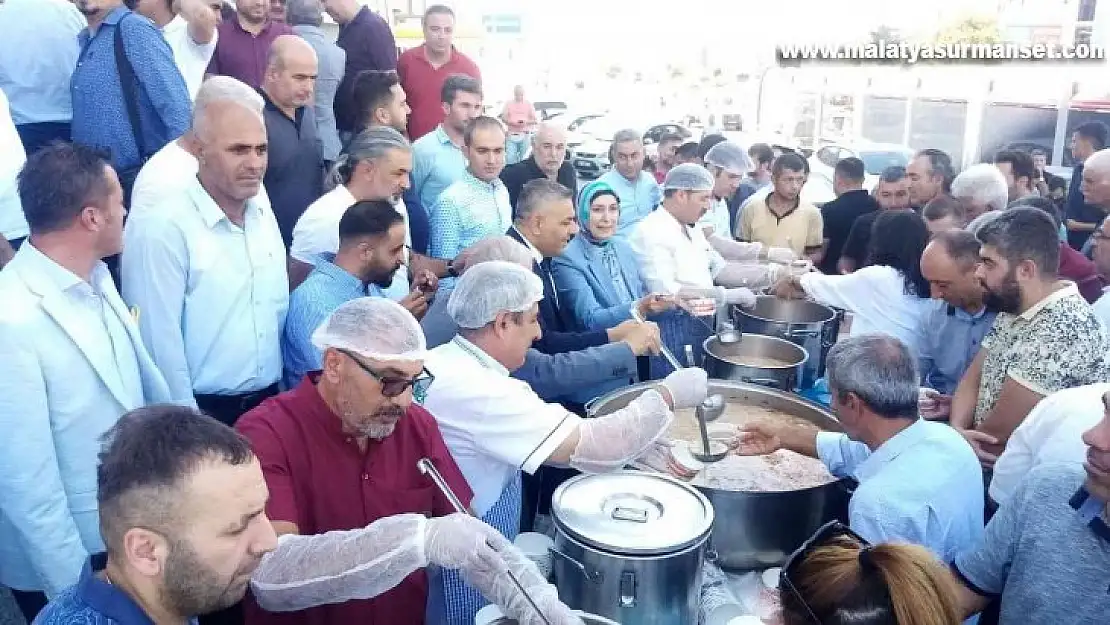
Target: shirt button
365, 477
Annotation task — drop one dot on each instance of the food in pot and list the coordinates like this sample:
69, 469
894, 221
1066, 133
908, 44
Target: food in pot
762, 362
777, 472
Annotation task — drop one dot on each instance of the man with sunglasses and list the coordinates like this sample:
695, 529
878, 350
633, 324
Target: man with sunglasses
919, 481
340, 450
1046, 553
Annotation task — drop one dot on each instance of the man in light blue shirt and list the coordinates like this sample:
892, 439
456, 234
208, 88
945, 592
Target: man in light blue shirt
477, 205
38, 52
638, 191
371, 247
437, 157
955, 326
919, 482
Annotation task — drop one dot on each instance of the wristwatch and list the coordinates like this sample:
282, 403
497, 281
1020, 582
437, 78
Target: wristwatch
451, 271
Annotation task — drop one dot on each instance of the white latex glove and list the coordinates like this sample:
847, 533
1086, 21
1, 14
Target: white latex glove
659, 457
932, 404
781, 255
735, 250
688, 387
459, 541
737, 295
496, 586
609, 443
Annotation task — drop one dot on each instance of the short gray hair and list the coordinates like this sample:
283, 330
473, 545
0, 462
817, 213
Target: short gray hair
982, 183
369, 145
223, 89
625, 135
306, 12
502, 248
877, 368
537, 192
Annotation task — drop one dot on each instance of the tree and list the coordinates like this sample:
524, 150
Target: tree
970, 29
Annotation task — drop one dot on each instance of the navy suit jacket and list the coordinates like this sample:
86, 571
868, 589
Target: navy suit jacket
558, 337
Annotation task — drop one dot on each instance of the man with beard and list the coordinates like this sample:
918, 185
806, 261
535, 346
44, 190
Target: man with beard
1045, 339
205, 271
380, 101
954, 328
243, 42
295, 172
371, 249
1046, 553
339, 452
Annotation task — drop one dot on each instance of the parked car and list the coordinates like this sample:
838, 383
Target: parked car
549, 109
589, 143
875, 156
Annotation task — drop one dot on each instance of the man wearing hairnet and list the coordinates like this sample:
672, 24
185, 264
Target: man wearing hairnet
676, 258
495, 425
339, 454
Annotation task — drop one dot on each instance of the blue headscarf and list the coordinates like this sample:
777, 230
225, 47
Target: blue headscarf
589, 193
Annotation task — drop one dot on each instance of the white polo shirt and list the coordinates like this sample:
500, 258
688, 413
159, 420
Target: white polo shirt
191, 57
493, 424
1051, 433
672, 255
317, 232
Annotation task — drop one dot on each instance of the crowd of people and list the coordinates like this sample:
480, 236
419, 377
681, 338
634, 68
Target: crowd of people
251, 276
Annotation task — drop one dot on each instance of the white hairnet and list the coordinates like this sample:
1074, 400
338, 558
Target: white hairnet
688, 177
729, 157
372, 327
490, 288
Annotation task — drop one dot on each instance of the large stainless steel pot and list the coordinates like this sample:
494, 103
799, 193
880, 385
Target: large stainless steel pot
809, 325
739, 361
630, 546
759, 530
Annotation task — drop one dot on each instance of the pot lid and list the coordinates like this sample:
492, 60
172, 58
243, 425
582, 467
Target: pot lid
632, 512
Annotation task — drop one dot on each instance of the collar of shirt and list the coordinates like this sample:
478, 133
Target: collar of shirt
1064, 289
888, 451
63, 279
486, 187
423, 56
176, 24
767, 203
536, 255
211, 213
963, 315
482, 357
326, 265
237, 26
306, 397
112, 19
1090, 510
678, 225
298, 114
106, 598
444, 138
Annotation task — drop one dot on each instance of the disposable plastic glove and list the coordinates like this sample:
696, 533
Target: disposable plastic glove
781, 255
496, 586
737, 295
459, 541
320, 569
688, 387
609, 443
735, 250
752, 275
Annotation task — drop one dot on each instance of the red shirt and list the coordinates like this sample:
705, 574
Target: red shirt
320, 480
422, 84
240, 54
1079, 269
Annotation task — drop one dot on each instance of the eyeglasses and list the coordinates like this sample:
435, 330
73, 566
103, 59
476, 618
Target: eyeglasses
823, 536
393, 387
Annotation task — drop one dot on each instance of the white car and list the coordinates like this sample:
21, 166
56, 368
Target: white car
875, 156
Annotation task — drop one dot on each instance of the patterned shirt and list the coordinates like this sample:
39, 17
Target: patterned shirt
436, 164
467, 212
99, 112
326, 288
1056, 344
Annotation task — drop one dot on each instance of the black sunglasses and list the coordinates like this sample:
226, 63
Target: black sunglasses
820, 538
393, 387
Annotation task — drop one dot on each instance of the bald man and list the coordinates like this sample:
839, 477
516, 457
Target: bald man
294, 178
548, 160
1096, 180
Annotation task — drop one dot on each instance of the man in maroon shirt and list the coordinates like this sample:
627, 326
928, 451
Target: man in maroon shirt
244, 42
340, 450
423, 69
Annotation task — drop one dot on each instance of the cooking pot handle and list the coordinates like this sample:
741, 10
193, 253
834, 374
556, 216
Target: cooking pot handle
588, 407
769, 382
628, 589
809, 334
590, 576
712, 556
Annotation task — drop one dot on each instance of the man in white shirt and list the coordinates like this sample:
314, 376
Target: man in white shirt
206, 271
174, 168
13, 225
675, 257
72, 364
1052, 433
496, 426
189, 26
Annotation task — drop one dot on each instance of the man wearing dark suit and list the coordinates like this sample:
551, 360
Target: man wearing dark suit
544, 223
548, 160
852, 201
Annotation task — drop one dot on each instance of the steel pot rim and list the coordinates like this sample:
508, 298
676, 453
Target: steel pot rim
712, 340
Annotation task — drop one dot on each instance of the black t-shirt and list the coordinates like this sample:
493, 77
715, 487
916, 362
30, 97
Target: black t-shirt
859, 239
839, 215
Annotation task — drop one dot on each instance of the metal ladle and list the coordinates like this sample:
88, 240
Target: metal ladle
427, 468
710, 409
